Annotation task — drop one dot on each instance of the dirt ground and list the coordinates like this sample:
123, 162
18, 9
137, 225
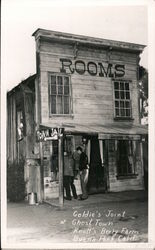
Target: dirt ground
125, 221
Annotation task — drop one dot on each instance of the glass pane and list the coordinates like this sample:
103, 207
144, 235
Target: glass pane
116, 85
122, 158
130, 157
60, 87
59, 80
128, 113
122, 104
116, 103
59, 105
127, 104
122, 94
127, 95
53, 80
66, 105
66, 81
53, 104
122, 112
53, 84
117, 94
122, 85
53, 89
60, 90
126, 86
66, 90
129, 169
117, 112
66, 85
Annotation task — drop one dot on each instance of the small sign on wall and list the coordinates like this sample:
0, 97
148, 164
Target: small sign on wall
49, 134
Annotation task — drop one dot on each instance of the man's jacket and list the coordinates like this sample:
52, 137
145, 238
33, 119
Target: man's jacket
83, 161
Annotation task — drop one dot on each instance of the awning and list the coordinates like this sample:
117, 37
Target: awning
105, 131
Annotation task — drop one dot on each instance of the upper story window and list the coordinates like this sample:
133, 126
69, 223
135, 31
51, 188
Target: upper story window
60, 94
122, 99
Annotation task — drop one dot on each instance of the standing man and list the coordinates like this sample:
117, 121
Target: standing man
76, 157
69, 176
84, 171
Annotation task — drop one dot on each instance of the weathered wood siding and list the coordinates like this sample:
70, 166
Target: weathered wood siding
29, 122
15, 148
11, 128
21, 99
92, 95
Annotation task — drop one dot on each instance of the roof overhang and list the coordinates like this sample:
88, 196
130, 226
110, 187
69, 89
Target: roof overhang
86, 40
106, 131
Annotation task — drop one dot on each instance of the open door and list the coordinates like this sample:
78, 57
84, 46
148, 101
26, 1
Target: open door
97, 181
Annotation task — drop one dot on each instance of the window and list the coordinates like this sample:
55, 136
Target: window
122, 99
125, 158
60, 94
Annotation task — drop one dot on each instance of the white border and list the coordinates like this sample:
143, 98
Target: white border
151, 244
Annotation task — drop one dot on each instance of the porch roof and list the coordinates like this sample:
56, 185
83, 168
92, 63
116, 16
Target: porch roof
105, 129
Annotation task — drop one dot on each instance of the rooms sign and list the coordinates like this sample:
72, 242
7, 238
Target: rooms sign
93, 68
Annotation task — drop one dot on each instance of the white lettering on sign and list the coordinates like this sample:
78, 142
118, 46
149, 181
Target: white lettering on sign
49, 134
94, 69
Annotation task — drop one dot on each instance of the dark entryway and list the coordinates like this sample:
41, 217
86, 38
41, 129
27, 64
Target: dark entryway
96, 181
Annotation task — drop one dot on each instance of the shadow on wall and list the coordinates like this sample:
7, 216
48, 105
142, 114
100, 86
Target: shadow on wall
15, 181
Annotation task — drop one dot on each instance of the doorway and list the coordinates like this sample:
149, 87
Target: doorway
96, 181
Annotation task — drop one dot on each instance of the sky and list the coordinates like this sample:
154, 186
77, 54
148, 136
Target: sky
21, 18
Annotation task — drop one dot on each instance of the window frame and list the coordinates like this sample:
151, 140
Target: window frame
119, 117
50, 95
133, 152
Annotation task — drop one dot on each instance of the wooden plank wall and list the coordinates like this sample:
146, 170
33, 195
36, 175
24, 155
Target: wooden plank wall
92, 95
15, 149
11, 128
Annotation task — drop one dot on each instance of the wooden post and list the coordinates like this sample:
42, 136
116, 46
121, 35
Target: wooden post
101, 151
142, 160
88, 151
51, 155
18, 151
14, 127
41, 172
134, 167
60, 161
107, 163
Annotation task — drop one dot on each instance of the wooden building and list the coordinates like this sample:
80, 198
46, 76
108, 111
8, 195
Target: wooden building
83, 93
